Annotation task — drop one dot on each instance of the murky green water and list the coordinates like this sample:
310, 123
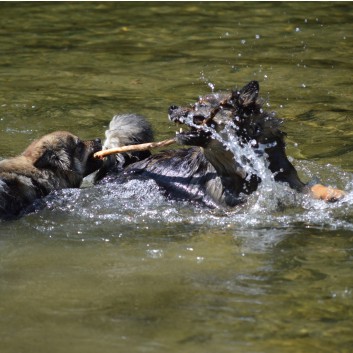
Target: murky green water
116, 270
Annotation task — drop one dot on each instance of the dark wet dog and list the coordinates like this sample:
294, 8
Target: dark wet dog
210, 173
55, 161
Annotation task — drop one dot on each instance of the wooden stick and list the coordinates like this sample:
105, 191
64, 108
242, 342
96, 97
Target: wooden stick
130, 148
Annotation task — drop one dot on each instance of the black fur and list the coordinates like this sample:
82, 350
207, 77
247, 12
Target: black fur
208, 173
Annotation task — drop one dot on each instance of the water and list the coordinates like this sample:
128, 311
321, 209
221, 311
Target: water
119, 268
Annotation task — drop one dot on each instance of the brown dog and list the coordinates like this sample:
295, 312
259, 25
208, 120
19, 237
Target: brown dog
55, 161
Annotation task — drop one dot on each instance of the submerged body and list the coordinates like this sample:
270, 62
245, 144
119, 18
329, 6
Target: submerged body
186, 174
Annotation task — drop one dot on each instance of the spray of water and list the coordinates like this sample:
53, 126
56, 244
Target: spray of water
119, 207
251, 157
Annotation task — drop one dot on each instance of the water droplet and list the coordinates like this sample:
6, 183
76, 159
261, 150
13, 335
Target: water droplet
199, 259
211, 85
155, 253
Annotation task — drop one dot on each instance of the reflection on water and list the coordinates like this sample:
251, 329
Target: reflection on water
119, 268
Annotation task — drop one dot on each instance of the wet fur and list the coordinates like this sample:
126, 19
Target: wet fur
207, 173
124, 130
55, 161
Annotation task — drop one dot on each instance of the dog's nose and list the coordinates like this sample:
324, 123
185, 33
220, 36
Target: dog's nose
97, 140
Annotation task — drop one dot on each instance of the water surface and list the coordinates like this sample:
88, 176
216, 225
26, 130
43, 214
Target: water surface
119, 268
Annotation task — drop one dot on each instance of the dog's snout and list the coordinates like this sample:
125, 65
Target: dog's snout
98, 140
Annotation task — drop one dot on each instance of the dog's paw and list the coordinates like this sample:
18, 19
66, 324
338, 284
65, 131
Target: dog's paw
326, 193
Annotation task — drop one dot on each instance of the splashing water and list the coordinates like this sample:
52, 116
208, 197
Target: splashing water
212, 86
113, 209
251, 160
205, 80
273, 196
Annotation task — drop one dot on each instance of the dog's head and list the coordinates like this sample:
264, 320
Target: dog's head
239, 110
64, 154
228, 117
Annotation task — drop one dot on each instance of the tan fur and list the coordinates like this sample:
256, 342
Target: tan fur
326, 193
55, 161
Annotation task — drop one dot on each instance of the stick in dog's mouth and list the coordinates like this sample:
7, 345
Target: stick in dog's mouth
131, 148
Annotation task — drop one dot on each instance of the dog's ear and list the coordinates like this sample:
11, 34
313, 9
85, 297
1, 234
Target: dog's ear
248, 95
53, 159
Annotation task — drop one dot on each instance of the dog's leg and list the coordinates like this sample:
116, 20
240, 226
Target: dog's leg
326, 193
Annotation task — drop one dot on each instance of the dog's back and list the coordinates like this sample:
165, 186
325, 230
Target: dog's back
186, 175
26, 190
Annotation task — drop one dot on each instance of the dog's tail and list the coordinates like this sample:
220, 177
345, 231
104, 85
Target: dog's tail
124, 130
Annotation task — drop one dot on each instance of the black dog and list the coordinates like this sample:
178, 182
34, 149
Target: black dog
210, 173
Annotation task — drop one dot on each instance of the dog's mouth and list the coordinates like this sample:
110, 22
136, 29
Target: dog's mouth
96, 146
93, 146
196, 122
